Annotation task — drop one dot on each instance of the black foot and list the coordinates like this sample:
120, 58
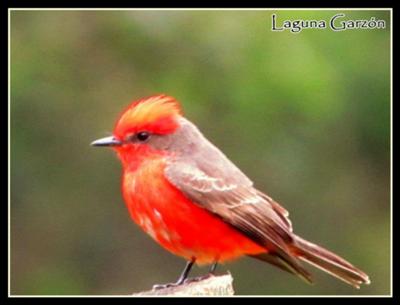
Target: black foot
181, 279
198, 278
186, 281
164, 286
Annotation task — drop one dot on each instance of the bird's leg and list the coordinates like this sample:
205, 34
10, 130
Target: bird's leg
185, 272
213, 268
181, 278
203, 277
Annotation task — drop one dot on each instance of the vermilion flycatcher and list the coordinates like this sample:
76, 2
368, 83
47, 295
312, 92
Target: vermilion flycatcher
191, 199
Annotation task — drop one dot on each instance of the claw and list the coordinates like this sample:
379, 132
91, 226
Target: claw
164, 286
198, 278
183, 278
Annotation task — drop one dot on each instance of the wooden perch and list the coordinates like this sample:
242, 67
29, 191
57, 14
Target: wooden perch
210, 286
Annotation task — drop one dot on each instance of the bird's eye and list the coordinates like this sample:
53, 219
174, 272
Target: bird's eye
142, 136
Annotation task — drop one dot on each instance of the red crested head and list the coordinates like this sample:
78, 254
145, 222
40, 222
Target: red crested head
143, 129
155, 114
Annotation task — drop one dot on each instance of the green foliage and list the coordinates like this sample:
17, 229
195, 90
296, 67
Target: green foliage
306, 116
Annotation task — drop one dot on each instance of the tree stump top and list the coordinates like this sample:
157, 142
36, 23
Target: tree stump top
220, 285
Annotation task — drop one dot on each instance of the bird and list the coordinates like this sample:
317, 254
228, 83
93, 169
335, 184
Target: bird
193, 201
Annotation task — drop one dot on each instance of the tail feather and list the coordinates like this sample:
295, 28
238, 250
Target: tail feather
285, 264
329, 262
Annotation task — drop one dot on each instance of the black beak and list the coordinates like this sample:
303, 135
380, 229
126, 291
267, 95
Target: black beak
107, 141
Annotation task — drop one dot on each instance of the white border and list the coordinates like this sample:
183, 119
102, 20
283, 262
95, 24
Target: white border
201, 9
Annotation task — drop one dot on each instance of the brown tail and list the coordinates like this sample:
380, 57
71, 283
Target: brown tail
329, 262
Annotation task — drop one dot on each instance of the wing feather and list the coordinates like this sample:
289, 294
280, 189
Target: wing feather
242, 206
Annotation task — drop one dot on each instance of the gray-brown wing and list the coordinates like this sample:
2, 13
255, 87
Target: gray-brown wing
242, 206
207, 177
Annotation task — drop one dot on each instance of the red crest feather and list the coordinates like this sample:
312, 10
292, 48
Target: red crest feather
156, 114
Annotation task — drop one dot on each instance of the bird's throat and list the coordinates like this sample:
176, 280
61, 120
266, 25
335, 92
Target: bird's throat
133, 157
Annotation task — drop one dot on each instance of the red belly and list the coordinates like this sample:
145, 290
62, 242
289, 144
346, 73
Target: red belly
179, 225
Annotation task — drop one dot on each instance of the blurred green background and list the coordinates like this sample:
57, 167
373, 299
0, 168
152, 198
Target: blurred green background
306, 116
